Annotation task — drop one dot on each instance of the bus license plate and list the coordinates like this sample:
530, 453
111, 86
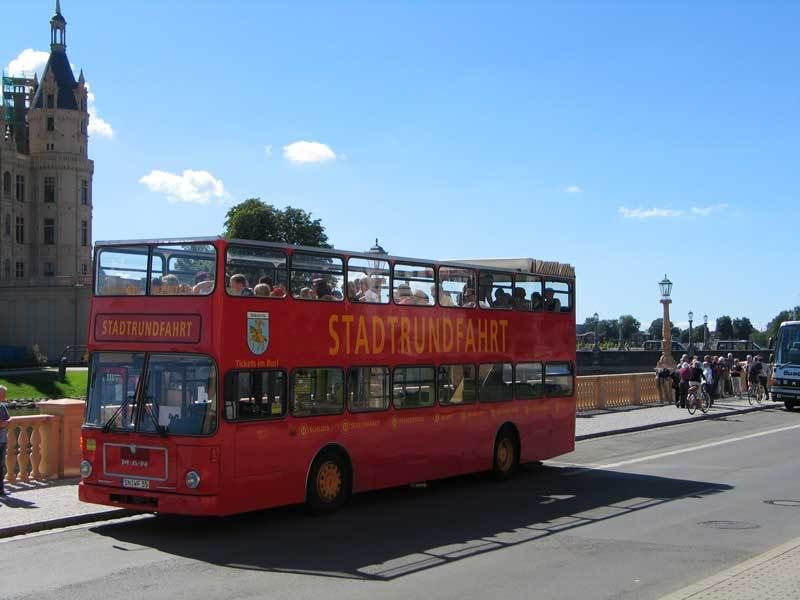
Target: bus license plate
140, 484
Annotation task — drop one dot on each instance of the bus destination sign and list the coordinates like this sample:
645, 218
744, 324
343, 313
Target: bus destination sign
147, 328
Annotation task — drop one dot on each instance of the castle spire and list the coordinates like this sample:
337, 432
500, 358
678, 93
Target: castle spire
58, 30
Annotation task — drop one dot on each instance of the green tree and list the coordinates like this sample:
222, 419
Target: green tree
724, 329
630, 326
742, 328
784, 315
257, 220
655, 330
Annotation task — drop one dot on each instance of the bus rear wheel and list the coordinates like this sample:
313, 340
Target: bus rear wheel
789, 404
506, 455
328, 483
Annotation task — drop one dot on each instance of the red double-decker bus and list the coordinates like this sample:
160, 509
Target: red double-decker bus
228, 376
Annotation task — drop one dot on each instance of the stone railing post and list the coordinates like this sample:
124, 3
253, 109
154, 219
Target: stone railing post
66, 443
637, 389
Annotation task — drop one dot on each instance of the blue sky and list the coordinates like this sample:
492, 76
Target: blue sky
629, 139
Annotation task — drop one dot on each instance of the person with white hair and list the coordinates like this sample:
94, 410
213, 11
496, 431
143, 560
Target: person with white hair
4, 419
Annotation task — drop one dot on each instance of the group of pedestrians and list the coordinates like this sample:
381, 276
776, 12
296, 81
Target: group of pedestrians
719, 376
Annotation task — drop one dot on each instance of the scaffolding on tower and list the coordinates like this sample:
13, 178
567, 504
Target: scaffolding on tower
18, 93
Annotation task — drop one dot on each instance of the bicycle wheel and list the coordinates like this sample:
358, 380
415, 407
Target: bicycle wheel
705, 402
691, 403
759, 393
751, 393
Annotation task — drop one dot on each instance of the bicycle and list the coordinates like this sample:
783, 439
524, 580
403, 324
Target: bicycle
697, 397
755, 392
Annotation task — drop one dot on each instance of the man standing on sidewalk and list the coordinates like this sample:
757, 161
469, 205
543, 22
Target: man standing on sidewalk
4, 419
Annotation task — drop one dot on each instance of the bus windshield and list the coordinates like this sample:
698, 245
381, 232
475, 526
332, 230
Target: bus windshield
788, 345
177, 395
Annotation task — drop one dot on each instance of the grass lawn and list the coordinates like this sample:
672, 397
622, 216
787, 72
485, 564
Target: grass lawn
45, 385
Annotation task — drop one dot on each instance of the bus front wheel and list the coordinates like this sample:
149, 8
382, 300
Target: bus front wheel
328, 483
789, 404
506, 455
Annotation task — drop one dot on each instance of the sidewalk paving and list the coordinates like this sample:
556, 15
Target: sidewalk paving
37, 505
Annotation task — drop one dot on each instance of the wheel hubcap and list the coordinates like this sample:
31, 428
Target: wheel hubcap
505, 454
329, 481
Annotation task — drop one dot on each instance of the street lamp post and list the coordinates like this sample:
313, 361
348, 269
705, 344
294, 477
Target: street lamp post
691, 342
596, 319
621, 320
666, 331
705, 332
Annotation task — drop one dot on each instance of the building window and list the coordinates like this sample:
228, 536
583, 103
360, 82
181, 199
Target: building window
7, 183
8, 225
20, 191
49, 269
84, 233
49, 189
20, 270
84, 269
49, 231
20, 230
7, 268
51, 124
84, 192
50, 100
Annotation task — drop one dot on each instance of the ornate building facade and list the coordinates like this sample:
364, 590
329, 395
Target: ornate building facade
45, 204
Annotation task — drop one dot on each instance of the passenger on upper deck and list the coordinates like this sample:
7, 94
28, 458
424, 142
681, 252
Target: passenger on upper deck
155, 286
322, 290
551, 303
536, 301
372, 293
239, 285
519, 301
262, 289
203, 284
501, 299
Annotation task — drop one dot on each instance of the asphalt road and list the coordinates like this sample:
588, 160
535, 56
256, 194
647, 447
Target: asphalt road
641, 515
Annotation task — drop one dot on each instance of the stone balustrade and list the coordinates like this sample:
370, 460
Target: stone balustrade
599, 392
47, 446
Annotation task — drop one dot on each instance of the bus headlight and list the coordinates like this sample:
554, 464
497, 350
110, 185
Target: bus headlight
192, 480
85, 469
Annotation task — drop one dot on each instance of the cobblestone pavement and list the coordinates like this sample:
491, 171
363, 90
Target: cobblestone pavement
770, 576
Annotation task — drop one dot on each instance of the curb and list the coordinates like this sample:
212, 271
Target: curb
6, 532
693, 419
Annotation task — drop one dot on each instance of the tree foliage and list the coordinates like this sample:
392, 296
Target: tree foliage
784, 315
655, 330
742, 328
724, 328
254, 219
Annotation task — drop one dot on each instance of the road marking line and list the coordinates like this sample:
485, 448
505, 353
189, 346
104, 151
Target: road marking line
631, 461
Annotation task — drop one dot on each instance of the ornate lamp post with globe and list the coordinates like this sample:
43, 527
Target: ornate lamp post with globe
620, 322
596, 345
705, 332
691, 342
666, 331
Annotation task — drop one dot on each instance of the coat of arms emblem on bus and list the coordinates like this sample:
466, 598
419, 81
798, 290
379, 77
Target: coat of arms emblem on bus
257, 332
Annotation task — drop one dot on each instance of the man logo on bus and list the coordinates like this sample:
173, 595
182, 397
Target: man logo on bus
257, 332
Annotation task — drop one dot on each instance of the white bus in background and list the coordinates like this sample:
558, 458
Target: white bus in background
786, 372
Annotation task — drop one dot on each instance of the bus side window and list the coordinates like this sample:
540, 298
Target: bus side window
557, 296
367, 389
259, 271
317, 277
456, 384
528, 381
495, 382
558, 379
413, 387
254, 395
317, 392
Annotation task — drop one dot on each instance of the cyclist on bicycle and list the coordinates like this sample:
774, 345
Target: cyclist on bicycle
695, 375
708, 383
754, 373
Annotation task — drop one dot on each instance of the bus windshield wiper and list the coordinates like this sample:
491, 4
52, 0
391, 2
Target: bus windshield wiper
107, 426
162, 431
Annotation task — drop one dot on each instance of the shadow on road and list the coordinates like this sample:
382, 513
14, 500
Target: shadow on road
387, 534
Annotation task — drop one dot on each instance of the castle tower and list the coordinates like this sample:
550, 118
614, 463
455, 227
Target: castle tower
45, 203
60, 199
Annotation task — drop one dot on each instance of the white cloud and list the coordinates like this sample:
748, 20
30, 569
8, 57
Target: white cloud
648, 213
573, 189
28, 62
308, 152
97, 125
191, 186
707, 210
